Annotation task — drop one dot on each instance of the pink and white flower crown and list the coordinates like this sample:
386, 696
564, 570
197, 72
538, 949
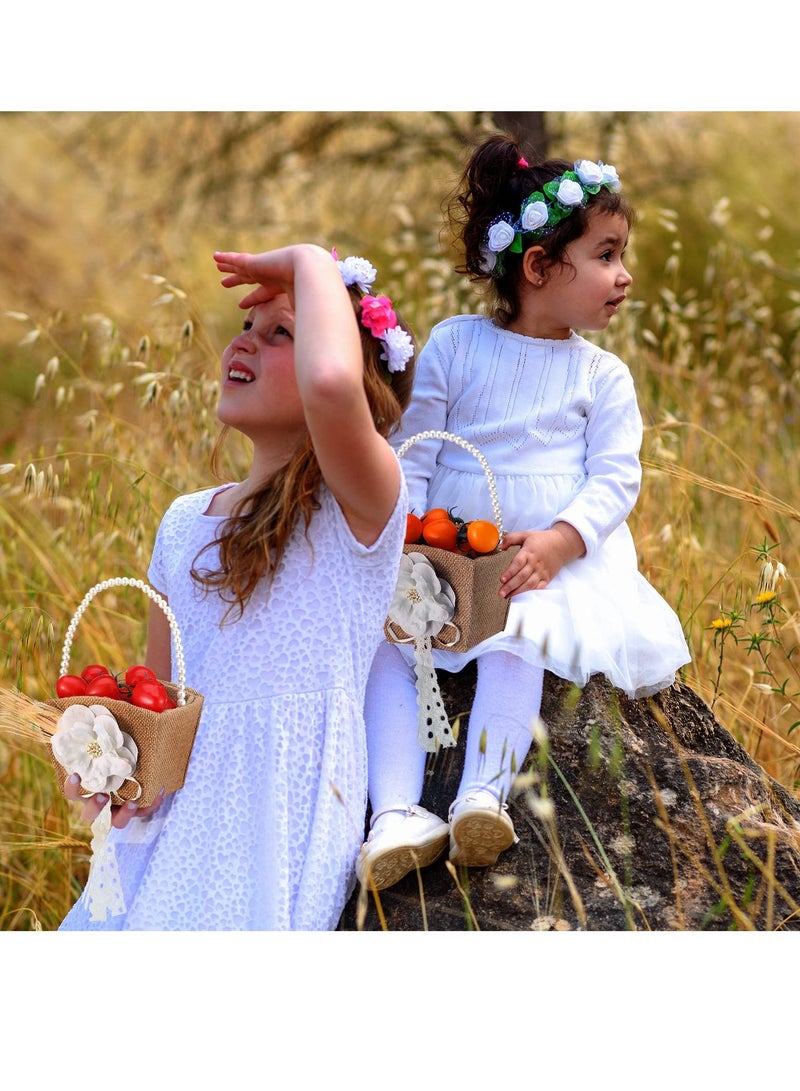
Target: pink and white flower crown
377, 312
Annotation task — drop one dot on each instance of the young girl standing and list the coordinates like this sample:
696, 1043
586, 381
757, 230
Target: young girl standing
280, 585
558, 422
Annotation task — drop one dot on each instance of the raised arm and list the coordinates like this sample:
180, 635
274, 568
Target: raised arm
357, 464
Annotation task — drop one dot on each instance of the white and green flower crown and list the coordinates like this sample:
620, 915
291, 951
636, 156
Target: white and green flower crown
377, 313
544, 209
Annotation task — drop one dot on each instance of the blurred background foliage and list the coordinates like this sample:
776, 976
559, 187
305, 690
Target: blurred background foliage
92, 202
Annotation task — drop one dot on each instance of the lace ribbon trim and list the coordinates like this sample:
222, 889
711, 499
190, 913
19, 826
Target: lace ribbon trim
423, 606
103, 891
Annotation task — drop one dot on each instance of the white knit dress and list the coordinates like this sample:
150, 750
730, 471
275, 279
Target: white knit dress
266, 830
559, 424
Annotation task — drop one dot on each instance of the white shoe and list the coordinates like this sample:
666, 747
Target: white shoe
480, 829
414, 842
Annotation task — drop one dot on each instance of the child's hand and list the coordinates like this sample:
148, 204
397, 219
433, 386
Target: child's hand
542, 553
93, 805
273, 271
267, 270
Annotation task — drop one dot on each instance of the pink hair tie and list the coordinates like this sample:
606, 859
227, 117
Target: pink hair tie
522, 162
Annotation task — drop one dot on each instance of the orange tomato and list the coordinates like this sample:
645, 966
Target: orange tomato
413, 528
441, 533
483, 536
434, 514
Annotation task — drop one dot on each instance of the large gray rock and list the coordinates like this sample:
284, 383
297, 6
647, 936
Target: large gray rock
660, 821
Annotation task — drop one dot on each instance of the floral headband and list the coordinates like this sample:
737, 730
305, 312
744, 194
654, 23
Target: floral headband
377, 313
541, 212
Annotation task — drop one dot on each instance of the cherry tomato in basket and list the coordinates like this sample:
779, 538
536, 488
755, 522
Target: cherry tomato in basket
139, 673
483, 536
70, 685
94, 670
149, 695
442, 533
433, 514
105, 685
413, 528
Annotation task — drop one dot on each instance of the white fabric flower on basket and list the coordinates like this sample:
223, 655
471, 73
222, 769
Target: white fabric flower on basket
423, 604
88, 741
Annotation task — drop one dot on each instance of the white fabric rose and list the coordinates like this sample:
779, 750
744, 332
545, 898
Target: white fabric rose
399, 348
488, 260
610, 177
534, 216
357, 271
423, 604
570, 193
88, 741
501, 236
591, 174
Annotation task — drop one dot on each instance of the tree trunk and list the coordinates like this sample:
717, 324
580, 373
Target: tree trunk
528, 129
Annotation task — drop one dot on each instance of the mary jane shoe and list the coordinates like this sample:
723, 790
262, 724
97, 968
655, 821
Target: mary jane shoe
390, 854
480, 829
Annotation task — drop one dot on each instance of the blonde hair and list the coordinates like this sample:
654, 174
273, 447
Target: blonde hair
253, 539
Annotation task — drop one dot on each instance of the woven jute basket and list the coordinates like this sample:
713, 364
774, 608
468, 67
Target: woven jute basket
164, 739
480, 611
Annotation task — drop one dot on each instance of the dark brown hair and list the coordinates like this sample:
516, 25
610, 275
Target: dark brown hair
253, 539
495, 182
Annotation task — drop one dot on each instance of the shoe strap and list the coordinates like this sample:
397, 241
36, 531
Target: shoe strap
407, 810
472, 797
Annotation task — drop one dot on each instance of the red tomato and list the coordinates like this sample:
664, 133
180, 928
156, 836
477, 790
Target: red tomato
440, 532
94, 670
70, 685
104, 685
150, 695
139, 673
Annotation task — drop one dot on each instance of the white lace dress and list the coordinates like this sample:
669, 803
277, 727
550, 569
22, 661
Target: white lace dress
266, 830
559, 424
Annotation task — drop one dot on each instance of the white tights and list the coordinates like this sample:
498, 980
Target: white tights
508, 696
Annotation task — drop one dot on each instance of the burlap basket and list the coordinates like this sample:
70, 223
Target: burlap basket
480, 611
164, 739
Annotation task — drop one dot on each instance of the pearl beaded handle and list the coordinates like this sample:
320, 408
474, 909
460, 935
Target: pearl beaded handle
124, 581
473, 450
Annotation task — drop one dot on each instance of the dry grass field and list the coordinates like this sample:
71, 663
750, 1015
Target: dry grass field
112, 323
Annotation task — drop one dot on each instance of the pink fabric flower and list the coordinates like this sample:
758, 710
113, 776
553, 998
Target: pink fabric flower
377, 314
